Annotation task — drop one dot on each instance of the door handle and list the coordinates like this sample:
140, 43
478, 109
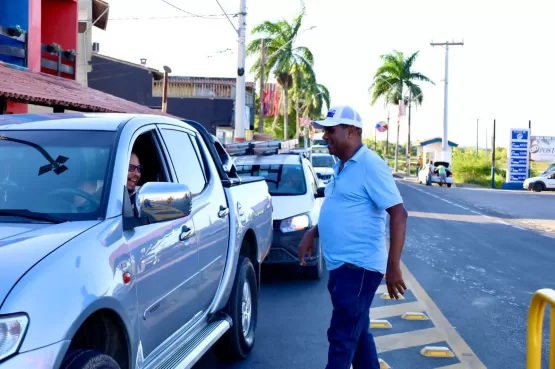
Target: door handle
223, 211
186, 232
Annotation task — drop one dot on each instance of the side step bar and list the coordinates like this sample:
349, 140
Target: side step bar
187, 355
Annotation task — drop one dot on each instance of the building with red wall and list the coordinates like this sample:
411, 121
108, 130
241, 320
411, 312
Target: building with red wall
39, 36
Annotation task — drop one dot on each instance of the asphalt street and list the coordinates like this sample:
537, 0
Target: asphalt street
470, 269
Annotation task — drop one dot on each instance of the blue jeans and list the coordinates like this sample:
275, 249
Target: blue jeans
352, 290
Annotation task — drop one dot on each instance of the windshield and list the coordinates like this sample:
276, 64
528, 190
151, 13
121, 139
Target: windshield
282, 179
322, 161
319, 141
59, 174
550, 168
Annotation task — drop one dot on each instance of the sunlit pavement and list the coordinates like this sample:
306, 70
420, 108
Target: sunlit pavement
472, 274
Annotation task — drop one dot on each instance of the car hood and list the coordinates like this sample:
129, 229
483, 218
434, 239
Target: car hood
289, 206
323, 170
22, 245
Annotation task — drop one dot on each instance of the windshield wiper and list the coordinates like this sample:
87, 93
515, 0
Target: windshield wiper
25, 213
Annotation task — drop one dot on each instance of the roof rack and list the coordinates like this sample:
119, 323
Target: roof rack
260, 147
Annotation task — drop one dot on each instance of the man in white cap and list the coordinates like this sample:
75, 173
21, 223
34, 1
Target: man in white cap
351, 228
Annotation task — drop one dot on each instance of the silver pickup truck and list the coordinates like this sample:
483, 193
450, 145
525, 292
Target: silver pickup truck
126, 241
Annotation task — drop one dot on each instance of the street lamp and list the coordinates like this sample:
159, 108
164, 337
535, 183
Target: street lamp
398, 126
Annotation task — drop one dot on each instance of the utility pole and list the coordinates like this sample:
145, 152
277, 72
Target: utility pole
445, 138
486, 143
477, 137
493, 157
240, 90
408, 139
387, 141
261, 101
529, 153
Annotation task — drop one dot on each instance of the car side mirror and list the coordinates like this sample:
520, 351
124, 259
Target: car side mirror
157, 202
321, 192
163, 201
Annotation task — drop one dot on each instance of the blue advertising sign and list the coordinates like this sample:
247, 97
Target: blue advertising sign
518, 170
517, 177
518, 155
519, 134
518, 161
519, 145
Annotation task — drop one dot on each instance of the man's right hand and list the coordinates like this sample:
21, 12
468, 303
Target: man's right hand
307, 245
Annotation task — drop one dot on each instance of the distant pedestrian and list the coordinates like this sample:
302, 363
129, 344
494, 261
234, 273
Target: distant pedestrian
442, 174
351, 229
431, 170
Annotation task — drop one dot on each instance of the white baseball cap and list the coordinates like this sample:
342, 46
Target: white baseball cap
339, 115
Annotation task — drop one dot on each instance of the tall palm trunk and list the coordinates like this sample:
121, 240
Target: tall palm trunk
286, 110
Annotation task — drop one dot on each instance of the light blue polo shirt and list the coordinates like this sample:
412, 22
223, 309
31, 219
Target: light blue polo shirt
353, 215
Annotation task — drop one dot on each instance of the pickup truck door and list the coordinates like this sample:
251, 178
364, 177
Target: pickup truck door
166, 259
210, 209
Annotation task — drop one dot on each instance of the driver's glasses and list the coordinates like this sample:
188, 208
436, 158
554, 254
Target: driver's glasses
133, 167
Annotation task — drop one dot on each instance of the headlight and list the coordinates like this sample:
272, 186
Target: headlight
295, 223
12, 330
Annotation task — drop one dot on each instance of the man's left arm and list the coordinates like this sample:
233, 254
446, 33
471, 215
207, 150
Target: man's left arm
384, 193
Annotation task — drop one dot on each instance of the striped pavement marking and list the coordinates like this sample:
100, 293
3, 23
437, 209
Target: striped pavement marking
405, 339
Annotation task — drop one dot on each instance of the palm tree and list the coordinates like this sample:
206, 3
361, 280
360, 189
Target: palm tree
308, 96
392, 76
283, 56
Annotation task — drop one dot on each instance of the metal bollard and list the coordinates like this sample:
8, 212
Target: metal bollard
540, 299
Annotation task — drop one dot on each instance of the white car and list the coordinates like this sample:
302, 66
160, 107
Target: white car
423, 174
540, 183
322, 163
297, 196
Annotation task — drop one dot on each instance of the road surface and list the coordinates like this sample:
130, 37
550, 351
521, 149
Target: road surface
470, 272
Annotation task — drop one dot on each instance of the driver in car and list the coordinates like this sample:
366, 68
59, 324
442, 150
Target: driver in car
133, 176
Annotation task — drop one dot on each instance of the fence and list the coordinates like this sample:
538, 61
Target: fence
535, 329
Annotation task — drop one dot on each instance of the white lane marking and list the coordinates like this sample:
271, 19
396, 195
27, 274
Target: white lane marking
473, 211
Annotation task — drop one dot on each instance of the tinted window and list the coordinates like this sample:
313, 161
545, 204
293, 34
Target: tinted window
319, 142
60, 173
322, 161
282, 179
187, 164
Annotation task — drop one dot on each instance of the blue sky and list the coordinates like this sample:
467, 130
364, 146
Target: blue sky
502, 72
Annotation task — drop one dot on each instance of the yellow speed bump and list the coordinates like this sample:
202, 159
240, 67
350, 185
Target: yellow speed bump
385, 296
414, 316
436, 351
380, 323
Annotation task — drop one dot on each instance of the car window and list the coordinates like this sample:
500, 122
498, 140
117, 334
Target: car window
322, 161
188, 166
59, 173
282, 179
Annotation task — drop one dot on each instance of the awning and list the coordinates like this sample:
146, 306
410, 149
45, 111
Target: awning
43, 89
100, 10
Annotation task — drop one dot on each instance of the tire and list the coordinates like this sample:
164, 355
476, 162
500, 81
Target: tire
88, 359
315, 272
235, 343
538, 187
449, 185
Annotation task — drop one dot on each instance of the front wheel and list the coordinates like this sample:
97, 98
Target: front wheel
242, 307
449, 185
88, 359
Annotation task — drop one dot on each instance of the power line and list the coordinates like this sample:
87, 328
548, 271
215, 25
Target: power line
230, 22
205, 16
184, 11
